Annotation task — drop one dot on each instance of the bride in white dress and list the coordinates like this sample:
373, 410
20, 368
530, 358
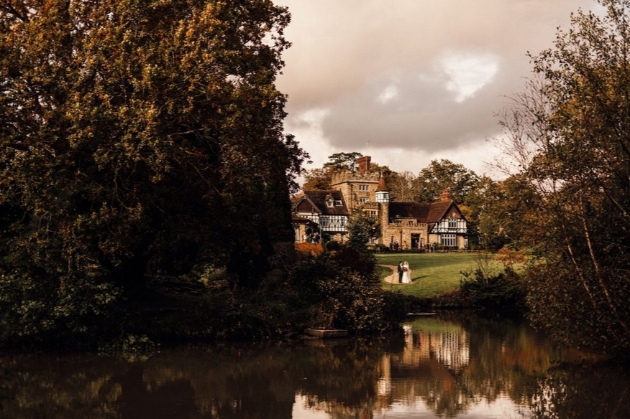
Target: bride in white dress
406, 276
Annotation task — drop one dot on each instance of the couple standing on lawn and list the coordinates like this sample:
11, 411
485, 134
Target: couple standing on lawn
404, 273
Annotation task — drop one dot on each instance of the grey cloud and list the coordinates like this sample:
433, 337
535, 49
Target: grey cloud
347, 53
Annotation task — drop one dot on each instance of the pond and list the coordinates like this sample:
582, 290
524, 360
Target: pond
450, 366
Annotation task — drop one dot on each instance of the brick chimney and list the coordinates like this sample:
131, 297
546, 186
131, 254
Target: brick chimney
364, 164
445, 196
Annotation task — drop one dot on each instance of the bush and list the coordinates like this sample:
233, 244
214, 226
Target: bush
396, 305
80, 313
482, 290
340, 289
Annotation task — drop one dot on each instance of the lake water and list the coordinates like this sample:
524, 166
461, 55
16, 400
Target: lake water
448, 366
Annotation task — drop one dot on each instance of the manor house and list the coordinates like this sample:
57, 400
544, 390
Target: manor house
404, 225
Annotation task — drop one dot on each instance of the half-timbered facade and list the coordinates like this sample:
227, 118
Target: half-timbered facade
327, 210
404, 225
418, 225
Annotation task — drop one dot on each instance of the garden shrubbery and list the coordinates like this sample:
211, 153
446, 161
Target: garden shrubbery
480, 289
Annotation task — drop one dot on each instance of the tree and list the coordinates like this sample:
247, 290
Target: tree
342, 161
445, 175
569, 135
136, 137
403, 186
504, 212
317, 179
362, 228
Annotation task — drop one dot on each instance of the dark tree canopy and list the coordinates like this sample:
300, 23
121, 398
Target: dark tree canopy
140, 136
342, 161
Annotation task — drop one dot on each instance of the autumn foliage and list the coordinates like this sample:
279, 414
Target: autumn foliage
136, 137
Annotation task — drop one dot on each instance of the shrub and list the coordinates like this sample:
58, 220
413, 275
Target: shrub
340, 289
482, 290
80, 313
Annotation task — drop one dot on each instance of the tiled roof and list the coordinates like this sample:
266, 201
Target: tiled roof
423, 212
319, 198
419, 211
438, 211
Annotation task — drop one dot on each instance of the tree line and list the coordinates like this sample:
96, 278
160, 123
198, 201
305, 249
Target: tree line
142, 147
494, 208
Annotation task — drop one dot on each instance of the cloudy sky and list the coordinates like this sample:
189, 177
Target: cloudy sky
409, 81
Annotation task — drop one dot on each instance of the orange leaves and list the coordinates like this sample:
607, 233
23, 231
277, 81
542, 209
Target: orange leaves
509, 257
308, 250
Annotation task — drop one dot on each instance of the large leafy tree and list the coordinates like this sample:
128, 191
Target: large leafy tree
570, 135
403, 186
138, 136
443, 175
503, 212
317, 179
342, 161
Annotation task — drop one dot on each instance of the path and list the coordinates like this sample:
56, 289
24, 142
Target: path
393, 278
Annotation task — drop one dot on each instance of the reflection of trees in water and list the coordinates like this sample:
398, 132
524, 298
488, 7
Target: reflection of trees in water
211, 382
60, 387
342, 380
583, 391
448, 366
454, 365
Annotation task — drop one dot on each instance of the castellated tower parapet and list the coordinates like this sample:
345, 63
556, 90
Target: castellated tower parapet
349, 176
358, 187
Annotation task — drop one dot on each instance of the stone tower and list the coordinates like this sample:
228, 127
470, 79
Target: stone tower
358, 187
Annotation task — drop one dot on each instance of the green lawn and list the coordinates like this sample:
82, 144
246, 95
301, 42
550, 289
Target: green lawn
432, 274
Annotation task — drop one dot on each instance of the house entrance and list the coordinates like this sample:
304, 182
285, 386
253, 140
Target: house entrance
416, 241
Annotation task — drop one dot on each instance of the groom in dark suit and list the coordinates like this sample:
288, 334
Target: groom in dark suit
400, 272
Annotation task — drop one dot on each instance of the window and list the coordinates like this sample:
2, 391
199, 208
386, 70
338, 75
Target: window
362, 200
338, 203
329, 203
364, 187
452, 223
448, 240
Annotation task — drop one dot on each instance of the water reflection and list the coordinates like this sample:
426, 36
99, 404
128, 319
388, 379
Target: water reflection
455, 366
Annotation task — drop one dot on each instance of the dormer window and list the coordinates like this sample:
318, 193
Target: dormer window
338, 203
330, 203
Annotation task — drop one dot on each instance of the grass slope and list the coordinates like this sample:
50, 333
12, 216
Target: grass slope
432, 274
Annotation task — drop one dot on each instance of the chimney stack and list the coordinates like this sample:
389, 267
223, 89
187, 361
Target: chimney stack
364, 164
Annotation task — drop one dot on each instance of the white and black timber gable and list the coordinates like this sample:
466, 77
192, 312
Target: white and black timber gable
326, 208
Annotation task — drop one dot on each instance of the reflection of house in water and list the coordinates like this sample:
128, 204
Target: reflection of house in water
449, 347
430, 354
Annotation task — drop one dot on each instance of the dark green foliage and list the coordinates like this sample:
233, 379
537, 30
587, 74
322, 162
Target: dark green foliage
556, 294
342, 161
396, 306
38, 313
362, 229
340, 289
500, 291
135, 138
